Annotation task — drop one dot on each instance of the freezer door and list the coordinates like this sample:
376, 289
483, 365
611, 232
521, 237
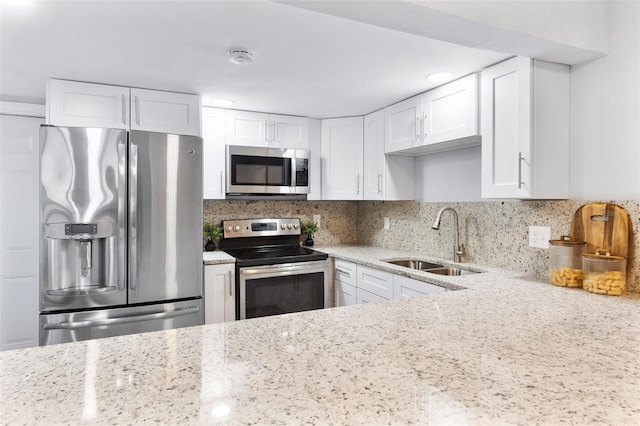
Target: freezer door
77, 326
165, 217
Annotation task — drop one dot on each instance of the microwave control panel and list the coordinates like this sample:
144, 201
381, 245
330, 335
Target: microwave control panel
302, 172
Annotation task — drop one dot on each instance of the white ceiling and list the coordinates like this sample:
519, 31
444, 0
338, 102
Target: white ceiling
306, 63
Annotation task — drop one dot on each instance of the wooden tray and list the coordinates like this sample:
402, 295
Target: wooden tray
604, 226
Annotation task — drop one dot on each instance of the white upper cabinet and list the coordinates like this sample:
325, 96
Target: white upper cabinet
78, 104
451, 111
525, 130
402, 124
247, 128
165, 112
288, 131
342, 158
268, 130
213, 137
385, 177
442, 119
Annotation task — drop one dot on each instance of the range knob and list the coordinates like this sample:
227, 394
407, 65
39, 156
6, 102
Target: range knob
283, 226
228, 228
295, 226
288, 226
236, 228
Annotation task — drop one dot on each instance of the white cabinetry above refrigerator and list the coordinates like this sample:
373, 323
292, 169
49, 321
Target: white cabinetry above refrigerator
78, 104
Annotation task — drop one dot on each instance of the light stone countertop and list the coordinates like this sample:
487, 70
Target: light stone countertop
506, 350
216, 257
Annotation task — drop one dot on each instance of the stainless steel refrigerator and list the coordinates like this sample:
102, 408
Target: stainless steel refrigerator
120, 232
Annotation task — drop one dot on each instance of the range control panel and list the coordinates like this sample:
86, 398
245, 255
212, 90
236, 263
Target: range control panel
240, 228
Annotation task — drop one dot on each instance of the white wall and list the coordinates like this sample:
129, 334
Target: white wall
605, 114
448, 176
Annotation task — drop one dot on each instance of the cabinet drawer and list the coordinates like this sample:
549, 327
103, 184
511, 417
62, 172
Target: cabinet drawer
345, 294
375, 281
404, 287
345, 272
363, 296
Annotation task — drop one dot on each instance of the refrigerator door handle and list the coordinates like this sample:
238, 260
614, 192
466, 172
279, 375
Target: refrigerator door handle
133, 219
123, 320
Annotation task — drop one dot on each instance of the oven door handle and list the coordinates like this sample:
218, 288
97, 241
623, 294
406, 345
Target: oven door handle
284, 268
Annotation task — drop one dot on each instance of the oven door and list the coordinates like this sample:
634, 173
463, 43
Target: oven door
283, 288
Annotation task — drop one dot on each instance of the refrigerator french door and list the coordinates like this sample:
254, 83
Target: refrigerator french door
121, 232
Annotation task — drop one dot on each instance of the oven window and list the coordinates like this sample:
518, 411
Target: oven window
284, 294
260, 171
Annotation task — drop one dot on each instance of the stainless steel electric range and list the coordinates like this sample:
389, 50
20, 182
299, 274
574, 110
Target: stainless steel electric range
274, 274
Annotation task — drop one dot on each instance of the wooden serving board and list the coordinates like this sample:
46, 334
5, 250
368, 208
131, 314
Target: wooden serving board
604, 226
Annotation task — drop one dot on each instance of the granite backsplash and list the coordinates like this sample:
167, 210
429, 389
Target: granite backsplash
494, 233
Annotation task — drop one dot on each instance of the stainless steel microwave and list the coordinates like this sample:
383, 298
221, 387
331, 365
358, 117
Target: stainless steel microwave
267, 173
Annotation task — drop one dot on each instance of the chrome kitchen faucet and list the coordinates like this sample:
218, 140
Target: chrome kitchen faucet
458, 249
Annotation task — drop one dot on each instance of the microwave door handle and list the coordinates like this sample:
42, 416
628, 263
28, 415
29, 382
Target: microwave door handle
293, 173
124, 320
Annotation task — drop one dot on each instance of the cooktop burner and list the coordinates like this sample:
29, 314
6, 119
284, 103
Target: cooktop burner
255, 242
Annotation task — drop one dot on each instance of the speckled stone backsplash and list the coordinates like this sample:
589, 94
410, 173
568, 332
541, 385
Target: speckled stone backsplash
494, 233
337, 224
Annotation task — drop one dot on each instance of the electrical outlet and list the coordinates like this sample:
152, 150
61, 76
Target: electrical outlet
316, 219
386, 223
539, 236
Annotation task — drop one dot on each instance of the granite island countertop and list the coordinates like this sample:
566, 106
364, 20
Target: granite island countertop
505, 350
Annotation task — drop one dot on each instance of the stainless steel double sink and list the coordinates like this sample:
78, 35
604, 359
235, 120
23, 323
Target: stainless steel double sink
429, 267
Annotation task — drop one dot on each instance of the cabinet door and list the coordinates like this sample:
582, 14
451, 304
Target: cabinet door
363, 296
219, 293
451, 111
76, 104
165, 112
404, 287
247, 128
345, 294
375, 281
289, 131
19, 262
342, 158
506, 129
213, 135
374, 160
402, 123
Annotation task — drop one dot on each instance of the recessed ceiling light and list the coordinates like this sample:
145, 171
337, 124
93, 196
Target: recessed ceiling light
223, 102
240, 56
439, 76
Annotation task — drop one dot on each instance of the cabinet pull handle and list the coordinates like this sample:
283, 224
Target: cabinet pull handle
358, 184
124, 110
266, 131
424, 130
417, 128
276, 133
347, 273
520, 158
137, 111
221, 184
380, 183
230, 284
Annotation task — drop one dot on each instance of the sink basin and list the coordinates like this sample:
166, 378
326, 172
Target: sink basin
415, 264
450, 271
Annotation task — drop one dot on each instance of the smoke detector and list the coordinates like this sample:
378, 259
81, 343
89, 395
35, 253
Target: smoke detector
240, 56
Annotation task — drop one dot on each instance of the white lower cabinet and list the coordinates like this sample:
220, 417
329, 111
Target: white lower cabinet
404, 287
345, 294
355, 284
219, 293
375, 281
19, 265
